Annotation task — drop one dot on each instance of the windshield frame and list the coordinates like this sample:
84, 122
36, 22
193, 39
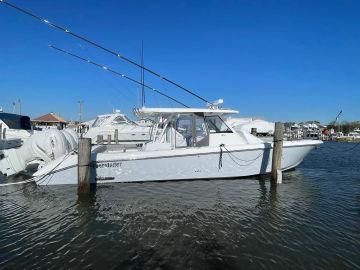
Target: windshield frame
212, 126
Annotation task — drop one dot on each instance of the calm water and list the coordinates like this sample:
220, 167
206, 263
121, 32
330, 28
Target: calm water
311, 221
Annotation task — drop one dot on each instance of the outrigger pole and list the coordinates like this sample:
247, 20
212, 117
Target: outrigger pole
118, 74
58, 27
142, 76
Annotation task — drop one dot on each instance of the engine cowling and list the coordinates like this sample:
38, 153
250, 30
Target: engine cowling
40, 148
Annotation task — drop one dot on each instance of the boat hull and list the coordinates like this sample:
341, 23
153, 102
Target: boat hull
179, 164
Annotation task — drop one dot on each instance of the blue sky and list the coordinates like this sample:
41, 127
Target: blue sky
280, 60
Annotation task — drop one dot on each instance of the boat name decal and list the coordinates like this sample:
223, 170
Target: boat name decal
108, 165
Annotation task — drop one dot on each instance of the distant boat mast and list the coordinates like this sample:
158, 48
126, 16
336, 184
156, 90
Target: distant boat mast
117, 74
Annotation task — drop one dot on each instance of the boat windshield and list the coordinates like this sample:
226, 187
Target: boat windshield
217, 125
100, 120
119, 120
191, 131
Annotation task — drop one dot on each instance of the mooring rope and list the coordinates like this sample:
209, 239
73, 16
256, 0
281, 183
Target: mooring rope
17, 183
41, 180
234, 158
221, 156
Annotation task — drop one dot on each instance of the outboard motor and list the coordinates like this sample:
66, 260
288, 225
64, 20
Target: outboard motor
39, 149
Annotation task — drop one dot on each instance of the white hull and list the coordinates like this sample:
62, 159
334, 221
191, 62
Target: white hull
179, 164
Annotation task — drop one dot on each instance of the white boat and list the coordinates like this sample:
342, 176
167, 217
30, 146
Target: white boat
187, 144
263, 128
15, 126
354, 135
128, 131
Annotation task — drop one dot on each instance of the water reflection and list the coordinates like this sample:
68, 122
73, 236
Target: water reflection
222, 224
153, 223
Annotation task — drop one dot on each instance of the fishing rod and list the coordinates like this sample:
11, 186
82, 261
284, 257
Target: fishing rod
61, 28
142, 76
117, 73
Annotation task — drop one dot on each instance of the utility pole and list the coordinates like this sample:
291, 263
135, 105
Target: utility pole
81, 103
19, 103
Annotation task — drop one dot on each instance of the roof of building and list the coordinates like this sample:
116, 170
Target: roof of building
50, 118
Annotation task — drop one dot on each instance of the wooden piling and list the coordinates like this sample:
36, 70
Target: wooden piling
0, 131
116, 136
109, 139
254, 131
84, 168
276, 174
99, 139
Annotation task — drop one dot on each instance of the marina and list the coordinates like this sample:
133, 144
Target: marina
161, 175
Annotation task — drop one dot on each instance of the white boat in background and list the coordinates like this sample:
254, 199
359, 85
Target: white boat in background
15, 126
128, 131
187, 144
354, 135
263, 128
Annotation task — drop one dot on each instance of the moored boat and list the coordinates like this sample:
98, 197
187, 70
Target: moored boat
129, 132
15, 126
186, 144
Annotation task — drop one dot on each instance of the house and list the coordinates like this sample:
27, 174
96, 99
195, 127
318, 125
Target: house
50, 120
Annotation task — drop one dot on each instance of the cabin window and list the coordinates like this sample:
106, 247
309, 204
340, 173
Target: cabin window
202, 136
191, 130
183, 130
119, 120
217, 125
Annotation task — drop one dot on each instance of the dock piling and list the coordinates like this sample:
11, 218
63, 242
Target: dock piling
116, 136
0, 131
84, 166
99, 139
109, 139
276, 174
